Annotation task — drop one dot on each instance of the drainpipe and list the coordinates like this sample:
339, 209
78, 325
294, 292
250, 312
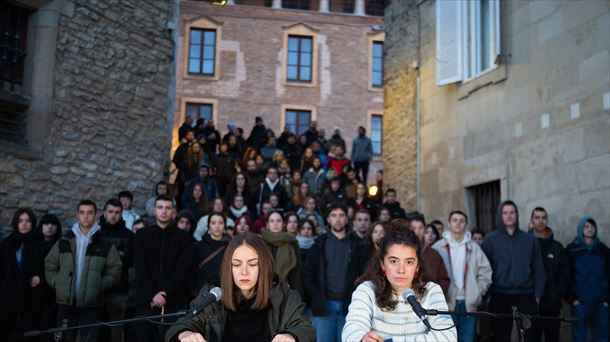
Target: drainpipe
418, 162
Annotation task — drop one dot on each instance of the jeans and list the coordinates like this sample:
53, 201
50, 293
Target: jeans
364, 168
466, 326
329, 327
585, 312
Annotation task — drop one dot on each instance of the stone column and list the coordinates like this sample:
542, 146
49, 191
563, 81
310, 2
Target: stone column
276, 4
359, 7
324, 6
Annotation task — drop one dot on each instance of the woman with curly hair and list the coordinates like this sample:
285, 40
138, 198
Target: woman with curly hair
379, 311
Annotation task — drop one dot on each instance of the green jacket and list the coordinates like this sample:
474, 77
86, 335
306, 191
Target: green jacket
285, 315
101, 271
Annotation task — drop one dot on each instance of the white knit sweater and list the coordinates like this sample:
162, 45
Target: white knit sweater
401, 324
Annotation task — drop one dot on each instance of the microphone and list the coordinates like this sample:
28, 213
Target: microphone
409, 296
214, 296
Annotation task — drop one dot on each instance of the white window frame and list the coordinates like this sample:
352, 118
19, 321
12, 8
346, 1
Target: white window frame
457, 58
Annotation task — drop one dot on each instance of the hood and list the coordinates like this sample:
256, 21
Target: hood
119, 225
581, 224
447, 236
185, 213
77, 232
499, 223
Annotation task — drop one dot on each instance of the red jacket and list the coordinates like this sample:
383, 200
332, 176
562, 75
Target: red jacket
436, 268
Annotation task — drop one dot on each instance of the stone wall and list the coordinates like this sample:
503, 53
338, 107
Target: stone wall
109, 129
539, 124
400, 102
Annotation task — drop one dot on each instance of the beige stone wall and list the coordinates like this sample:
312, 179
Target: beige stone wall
107, 128
541, 126
250, 82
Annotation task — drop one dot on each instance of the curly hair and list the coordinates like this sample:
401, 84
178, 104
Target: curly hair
397, 234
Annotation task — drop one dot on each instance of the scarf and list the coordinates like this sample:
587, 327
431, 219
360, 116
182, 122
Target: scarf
286, 257
305, 242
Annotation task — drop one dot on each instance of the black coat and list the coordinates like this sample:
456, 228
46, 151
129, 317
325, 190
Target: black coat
396, 212
162, 263
122, 239
314, 274
557, 272
210, 272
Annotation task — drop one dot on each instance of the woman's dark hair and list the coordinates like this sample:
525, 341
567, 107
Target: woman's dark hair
217, 213
231, 294
211, 205
18, 213
434, 230
398, 233
309, 222
52, 219
368, 238
233, 184
274, 212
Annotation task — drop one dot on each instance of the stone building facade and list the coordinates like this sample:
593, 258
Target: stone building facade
250, 67
92, 104
524, 115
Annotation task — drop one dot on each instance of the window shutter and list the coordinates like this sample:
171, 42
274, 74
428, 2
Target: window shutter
448, 42
497, 30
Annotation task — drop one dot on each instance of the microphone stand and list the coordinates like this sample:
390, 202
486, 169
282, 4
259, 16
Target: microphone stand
522, 320
58, 332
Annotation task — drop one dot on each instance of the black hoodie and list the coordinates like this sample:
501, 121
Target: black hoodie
122, 239
515, 259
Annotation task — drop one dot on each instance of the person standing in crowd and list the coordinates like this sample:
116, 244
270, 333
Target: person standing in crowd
431, 235
161, 188
291, 220
202, 176
362, 154
186, 126
557, 272
194, 157
129, 215
82, 267
469, 271
196, 201
378, 310
224, 166
50, 228
212, 137
478, 236
337, 140
271, 185
439, 227
329, 274
434, 262
292, 152
315, 177
186, 222
208, 253
361, 223
242, 224
285, 250
306, 238
589, 291
241, 186
518, 272
21, 268
254, 306
217, 205
334, 193
162, 266
114, 230
338, 160
396, 211
257, 137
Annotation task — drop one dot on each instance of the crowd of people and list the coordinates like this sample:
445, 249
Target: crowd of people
286, 227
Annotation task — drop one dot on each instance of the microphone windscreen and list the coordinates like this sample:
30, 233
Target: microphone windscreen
217, 292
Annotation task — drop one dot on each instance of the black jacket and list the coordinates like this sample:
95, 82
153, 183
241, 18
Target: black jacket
210, 272
314, 274
557, 271
285, 315
264, 191
122, 239
396, 212
162, 263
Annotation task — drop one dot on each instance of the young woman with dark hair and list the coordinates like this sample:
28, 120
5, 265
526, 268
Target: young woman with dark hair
255, 305
208, 253
21, 277
285, 250
379, 311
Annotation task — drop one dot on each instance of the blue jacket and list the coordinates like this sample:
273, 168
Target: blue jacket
515, 259
590, 269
